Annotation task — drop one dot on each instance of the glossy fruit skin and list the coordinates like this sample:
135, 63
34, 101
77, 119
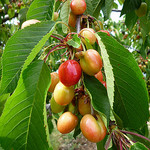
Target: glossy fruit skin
104, 83
78, 7
84, 105
56, 14
141, 11
90, 61
72, 20
29, 22
67, 122
56, 108
94, 130
63, 95
89, 34
54, 81
99, 76
69, 72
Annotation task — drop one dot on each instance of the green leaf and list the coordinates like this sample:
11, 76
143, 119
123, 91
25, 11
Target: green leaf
97, 5
41, 10
75, 41
3, 99
138, 146
130, 19
130, 5
89, 7
23, 124
108, 8
108, 71
98, 95
22, 15
17, 50
64, 15
131, 95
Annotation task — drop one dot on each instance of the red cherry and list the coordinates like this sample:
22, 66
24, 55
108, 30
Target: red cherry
69, 72
78, 7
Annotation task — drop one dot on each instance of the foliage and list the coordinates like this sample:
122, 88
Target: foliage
29, 55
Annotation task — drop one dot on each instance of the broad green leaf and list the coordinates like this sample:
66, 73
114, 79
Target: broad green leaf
89, 7
64, 15
131, 95
3, 99
22, 15
130, 5
75, 41
145, 26
41, 10
17, 50
138, 146
23, 124
130, 19
97, 7
108, 71
108, 8
98, 95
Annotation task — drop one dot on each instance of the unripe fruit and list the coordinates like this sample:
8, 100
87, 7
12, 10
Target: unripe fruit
56, 14
99, 76
141, 11
69, 72
72, 20
63, 95
89, 34
98, 25
67, 122
90, 61
56, 108
84, 105
78, 7
93, 129
29, 22
54, 81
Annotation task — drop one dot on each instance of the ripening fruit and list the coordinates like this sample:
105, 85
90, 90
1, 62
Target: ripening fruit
89, 34
141, 11
56, 108
72, 20
29, 22
63, 95
78, 7
67, 122
84, 105
56, 14
90, 61
69, 72
80, 48
54, 81
93, 128
99, 76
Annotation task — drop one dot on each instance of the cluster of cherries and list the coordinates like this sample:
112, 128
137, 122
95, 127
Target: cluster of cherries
69, 97
71, 101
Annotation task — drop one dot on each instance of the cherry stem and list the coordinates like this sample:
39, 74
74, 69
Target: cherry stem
53, 49
108, 142
69, 35
57, 38
136, 134
78, 23
120, 144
